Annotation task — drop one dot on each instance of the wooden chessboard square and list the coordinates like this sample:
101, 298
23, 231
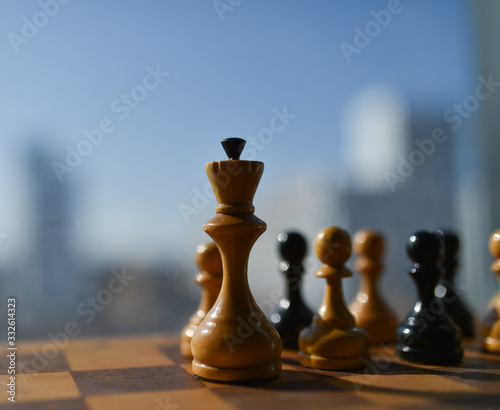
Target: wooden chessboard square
454, 401
72, 404
317, 394
407, 384
379, 399
341, 376
486, 381
37, 361
95, 356
43, 387
117, 341
287, 379
290, 363
173, 353
188, 368
381, 363
480, 363
135, 379
293, 375
388, 366
192, 399
415, 390
301, 384
475, 358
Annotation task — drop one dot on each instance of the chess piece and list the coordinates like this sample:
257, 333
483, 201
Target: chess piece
446, 290
292, 314
428, 335
369, 308
210, 278
332, 341
491, 323
235, 342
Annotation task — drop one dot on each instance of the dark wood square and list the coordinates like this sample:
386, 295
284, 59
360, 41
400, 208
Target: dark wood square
295, 394
73, 404
138, 379
38, 362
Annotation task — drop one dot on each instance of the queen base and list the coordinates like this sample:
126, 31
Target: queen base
225, 375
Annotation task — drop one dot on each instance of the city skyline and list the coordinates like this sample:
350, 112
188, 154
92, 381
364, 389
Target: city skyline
129, 103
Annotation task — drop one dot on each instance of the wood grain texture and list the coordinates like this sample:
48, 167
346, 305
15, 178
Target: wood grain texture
235, 342
386, 382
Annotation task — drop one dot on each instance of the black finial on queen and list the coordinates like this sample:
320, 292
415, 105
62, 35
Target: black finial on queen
233, 147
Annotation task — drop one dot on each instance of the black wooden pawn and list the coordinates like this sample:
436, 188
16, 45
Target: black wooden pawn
446, 289
291, 315
428, 335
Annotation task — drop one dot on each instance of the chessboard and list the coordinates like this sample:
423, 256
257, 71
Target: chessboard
128, 373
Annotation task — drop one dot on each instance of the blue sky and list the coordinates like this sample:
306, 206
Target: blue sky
225, 78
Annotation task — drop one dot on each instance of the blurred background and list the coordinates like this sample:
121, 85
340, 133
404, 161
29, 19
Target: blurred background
380, 114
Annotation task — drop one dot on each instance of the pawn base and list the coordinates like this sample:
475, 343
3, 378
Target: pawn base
334, 348
491, 345
216, 374
185, 349
439, 357
186, 336
334, 363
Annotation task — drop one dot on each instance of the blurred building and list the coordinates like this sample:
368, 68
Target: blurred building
403, 179
396, 178
479, 195
55, 282
51, 258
